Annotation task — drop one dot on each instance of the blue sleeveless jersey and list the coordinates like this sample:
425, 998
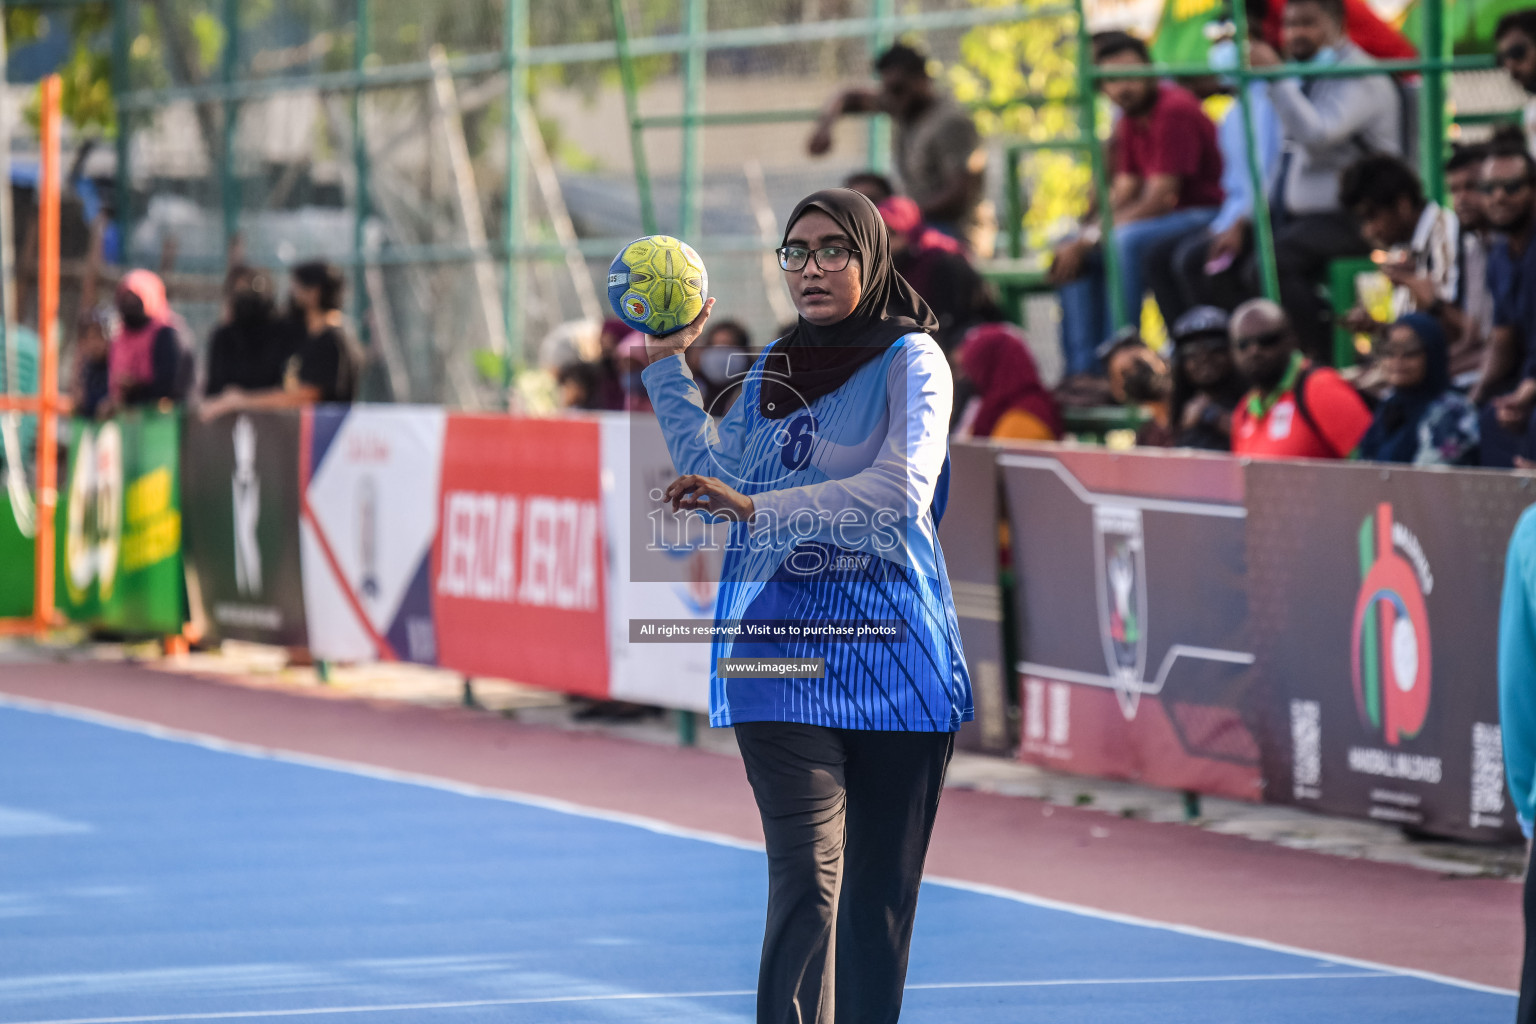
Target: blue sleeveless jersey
844, 530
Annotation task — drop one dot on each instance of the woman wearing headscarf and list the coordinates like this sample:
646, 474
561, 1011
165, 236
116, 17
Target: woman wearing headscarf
1421, 420
1010, 401
250, 349
149, 361
831, 467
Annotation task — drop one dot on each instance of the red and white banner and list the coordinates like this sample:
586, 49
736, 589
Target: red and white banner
518, 565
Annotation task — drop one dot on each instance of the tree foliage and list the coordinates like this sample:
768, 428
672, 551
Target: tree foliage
1033, 60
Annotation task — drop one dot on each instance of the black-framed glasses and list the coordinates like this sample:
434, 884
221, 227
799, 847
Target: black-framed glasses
1267, 340
1513, 53
1508, 186
829, 258
1400, 351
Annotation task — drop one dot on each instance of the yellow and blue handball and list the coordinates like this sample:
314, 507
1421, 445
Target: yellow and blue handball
657, 284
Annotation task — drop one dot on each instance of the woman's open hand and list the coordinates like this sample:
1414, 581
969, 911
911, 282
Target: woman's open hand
662, 345
708, 494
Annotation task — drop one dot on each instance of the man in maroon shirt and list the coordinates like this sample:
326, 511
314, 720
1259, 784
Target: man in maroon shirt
1167, 183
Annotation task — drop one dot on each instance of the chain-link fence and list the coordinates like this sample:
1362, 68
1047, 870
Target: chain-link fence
477, 211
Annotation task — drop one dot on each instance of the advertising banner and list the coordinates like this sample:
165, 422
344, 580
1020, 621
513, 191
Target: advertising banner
968, 536
242, 511
16, 564
369, 519
661, 565
1375, 619
1131, 610
119, 516
517, 573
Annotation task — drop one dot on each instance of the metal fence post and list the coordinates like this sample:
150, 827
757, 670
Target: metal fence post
878, 152
229, 186
1263, 230
515, 214
1088, 120
120, 43
362, 45
632, 112
1435, 47
693, 101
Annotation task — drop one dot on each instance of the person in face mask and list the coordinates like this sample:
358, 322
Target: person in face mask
250, 347
1328, 124
712, 365
148, 362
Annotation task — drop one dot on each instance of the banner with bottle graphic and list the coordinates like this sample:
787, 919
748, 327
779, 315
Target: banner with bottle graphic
119, 525
1375, 620
368, 520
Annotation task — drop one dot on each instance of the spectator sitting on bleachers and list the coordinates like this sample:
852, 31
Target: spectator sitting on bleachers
1206, 387
935, 146
90, 389
1365, 28
1420, 239
1293, 408
872, 185
1514, 40
936, 267
1166, 184
251, 347
1506, 392
577, 381
1008, 398
1328, 123
1463, 184
1202, 268
150, 361
1422, 420
1139, 378
710, 361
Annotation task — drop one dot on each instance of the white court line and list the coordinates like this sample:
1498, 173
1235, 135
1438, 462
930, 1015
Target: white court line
162, 732
613, 997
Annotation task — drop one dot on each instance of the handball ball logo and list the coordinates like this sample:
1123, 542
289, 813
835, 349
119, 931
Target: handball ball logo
1391, 655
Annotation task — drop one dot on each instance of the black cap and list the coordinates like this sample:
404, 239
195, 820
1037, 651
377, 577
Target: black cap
1127, 335
1198, 322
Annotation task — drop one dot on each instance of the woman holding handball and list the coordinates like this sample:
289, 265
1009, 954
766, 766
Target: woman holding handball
831, 466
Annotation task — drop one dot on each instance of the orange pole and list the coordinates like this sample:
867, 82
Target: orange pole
49, 181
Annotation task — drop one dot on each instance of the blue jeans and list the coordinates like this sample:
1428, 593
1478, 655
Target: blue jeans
1085, 319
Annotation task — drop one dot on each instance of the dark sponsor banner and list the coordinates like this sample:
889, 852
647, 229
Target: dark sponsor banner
1375, 618
242, 526
968, 536
1133, 657
119, 525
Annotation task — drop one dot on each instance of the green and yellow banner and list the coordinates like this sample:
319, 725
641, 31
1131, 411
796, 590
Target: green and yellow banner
119, 525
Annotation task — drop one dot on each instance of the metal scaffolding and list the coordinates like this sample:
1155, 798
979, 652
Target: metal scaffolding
517, 245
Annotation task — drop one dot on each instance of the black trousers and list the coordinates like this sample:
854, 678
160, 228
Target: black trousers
847, 814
